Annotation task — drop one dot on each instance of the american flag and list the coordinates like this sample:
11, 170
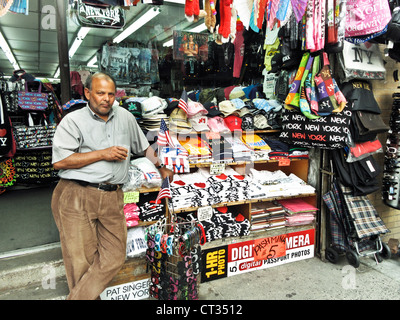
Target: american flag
165, 191
183, 101
164, 139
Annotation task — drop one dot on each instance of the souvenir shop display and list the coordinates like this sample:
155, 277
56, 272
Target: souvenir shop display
235, 112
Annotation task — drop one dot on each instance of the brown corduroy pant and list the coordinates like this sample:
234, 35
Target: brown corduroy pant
93, 232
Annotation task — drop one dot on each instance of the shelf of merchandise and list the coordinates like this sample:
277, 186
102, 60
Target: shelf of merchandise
134, 269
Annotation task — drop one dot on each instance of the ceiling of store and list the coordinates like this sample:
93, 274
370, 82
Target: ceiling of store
36, 49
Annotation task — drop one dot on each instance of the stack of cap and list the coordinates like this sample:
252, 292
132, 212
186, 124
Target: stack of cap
212, 109
199, 123
178, 121
195, 108
237, 93
172, 103
227, 108
152, 106
152, 123
217, 124
234, 123
238, 103
133, 105
262, 104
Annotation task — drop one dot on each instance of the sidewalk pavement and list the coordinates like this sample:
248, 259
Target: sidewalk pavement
24, 278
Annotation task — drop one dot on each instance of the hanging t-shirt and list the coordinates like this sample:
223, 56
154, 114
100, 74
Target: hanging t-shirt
239, 53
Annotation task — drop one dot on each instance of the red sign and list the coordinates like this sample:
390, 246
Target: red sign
269, 248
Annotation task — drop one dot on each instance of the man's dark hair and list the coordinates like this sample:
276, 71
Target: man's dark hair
88, 83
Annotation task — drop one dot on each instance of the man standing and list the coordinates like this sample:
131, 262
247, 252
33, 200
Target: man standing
92, 148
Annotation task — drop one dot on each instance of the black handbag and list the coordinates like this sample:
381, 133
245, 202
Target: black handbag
360, 176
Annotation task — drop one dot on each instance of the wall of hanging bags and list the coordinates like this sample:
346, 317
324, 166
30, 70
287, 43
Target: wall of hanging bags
29, 114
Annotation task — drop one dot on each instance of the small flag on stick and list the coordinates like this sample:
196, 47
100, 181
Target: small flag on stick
165, 191
164, 138
183, 101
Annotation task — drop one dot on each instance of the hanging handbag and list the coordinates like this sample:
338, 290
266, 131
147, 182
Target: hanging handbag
28, 100
328, 132
94, 15
310, 87
6, 139
293, 98
34, 136
304, 102
34, 167
364, 17
7, 173
330, 99
361, 61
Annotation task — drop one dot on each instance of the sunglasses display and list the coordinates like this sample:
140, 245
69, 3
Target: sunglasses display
173, 258
391, 165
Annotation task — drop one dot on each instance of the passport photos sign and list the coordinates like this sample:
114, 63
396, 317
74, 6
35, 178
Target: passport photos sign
238, 258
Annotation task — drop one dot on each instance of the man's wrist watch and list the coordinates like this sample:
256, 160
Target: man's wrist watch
160, 166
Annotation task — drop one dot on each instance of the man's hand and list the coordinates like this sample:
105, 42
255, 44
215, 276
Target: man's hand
115, 153
165, 172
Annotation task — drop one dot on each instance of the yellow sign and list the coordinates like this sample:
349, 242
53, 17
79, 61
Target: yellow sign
131, 197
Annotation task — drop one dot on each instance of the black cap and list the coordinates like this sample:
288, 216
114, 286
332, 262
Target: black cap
213, 109
291, 60
276, 62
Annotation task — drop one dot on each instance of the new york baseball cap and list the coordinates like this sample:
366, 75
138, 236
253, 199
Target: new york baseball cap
199, 123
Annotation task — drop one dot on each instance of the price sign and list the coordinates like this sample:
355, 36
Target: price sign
131, 197
204, 213
217, 168
268, 248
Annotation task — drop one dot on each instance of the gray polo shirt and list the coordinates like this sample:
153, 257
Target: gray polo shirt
83, 131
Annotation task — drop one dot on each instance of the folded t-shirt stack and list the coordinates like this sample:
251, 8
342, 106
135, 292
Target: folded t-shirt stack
200, 188
298, 212
278, 184
131, 211
198, 149
267, 215
221, 150
259, 146
175, 159
149, 209
224, 224
240, 151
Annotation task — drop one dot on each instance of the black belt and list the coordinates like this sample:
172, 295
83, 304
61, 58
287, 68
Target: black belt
100, 186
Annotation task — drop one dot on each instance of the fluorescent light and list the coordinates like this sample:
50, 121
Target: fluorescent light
168, 43
92, 63
8, 52
150, 14
176, 1
57, 74
78, 41
199, 28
